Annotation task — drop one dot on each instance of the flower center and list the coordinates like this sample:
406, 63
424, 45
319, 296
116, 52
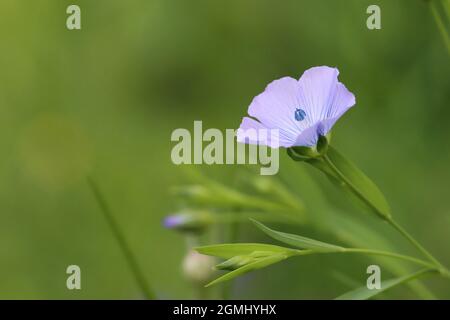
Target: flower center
300, 114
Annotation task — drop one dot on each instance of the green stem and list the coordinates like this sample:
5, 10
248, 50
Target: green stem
417, 274
371, 252
237, 216
413, 241
362, 293
350, 185
446, 4
392, 255
232, 235
440, 24
389, 219
413, 276
126, 250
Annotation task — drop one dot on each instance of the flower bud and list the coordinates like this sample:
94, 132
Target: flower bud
191, 221
322, 143
302, 153
239, 261
198, 268
234, 263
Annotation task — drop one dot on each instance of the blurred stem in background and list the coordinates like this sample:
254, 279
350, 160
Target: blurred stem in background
124, 246
210, 205
442, 22
232, 236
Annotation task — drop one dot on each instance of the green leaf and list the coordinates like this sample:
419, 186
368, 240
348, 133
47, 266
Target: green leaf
245, 257
297, 241
230, 250
362, 186
363, 293
327, 219
264, 262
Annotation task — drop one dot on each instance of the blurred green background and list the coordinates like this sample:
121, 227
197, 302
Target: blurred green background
104, 100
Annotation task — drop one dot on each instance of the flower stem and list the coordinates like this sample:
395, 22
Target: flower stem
363, 293
415, 275
126, 250
372, 252
389, 219
416, 244
352, 188
390, 254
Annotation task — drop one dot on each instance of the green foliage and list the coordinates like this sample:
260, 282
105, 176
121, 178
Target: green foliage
298, 241
363, 293
245, 257
242, 258
344, 170
253, 265
215, 195
164, 64
227, 251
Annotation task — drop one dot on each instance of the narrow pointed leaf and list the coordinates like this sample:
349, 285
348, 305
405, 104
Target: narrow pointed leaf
262, 263
230, 250
359, 181
348, 231
296, 240
363, 293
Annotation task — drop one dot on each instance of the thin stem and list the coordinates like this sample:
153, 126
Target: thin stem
446, 4
440, 24
416, 275
413, 241
362, 293
409, 278
392, 255
370, 252
389, 219
350, 185
232, 235
237, 216
126, 250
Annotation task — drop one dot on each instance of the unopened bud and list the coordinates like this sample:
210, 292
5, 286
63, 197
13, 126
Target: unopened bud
302, 153
239, 261
234, 263
198, 268
191, 221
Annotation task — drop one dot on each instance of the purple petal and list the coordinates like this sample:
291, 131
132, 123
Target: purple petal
254, 132
173, 221
309, 136
300, 110
322, 96
275, 108
325, 99
248, 124
341, 102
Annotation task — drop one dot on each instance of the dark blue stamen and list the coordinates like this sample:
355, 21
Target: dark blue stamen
300, 114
